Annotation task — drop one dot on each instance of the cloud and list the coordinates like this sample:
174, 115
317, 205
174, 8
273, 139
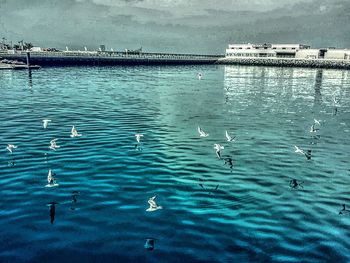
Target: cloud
199, 26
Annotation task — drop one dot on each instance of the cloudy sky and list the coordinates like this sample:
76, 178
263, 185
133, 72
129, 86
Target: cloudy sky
189, 26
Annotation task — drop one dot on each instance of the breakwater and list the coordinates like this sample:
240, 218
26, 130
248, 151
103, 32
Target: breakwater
108, 58
288, 62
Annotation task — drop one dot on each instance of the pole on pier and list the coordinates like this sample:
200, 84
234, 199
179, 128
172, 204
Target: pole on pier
28, 59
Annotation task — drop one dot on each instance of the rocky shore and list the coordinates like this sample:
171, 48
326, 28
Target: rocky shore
288, 62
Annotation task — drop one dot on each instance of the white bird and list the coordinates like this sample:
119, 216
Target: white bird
74, 132
199, 76
138, 137
50, 178
312, 129
229, 138
317, 122
202, 133
218, 149
45, 123
153, 205
298, 150
11, 147
53, 145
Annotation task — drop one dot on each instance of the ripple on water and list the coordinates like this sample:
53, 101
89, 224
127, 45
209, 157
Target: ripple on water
211, 211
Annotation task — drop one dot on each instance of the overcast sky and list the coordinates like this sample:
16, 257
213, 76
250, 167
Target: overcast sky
189, 26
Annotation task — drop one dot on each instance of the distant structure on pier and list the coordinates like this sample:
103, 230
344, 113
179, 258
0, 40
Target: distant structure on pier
298, 51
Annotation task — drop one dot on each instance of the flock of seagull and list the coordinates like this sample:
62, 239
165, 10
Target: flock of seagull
153, 206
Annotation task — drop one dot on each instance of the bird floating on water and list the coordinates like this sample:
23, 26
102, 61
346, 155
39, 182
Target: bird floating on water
218, 149
229, 138
11, 147
53, 145
138, 137
45, 123
153, 205
74, 132
200, 76
202, 133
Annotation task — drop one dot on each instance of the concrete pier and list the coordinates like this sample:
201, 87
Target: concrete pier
107, 58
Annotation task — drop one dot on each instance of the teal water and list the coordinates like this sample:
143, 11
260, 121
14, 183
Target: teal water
212, 211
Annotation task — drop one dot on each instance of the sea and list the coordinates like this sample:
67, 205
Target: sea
257, 200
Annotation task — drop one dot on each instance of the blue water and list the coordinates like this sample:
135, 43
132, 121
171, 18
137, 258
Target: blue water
212, 212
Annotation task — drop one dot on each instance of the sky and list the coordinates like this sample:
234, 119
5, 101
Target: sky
178, 26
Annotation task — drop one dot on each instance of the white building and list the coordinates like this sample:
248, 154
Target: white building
311, 53
337, 54
264, 50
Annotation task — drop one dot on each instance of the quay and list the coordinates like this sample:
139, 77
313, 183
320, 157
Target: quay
286, 55
288, 62
99, 58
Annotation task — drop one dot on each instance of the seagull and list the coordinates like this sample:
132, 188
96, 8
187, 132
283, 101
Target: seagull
199, 76
298, 150
149, 245
11, 147
218, 149
50, 178
138, 137
312, 129
74, 132
153, 205
45, 123
53, 145
294, 184
317, 122
229, 138
202, 133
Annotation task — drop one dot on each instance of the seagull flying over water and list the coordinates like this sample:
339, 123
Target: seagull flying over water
298, 150
50, 178
313, 129
229, 138
138, 137
11, 147
202, 133
153, 205
53, 145
45, 123
74, 132
318, 122
218, 149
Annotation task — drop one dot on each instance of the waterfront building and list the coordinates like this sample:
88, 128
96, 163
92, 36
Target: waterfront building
298, 51
264, 50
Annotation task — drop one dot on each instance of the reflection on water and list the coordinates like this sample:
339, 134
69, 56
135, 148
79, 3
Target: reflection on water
260, 202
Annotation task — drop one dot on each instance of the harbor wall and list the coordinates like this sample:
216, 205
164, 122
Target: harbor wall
113, 58
288, 62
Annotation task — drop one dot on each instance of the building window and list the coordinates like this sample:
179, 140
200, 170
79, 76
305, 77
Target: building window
283, 48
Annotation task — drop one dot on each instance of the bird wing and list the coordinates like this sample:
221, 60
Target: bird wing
228, 136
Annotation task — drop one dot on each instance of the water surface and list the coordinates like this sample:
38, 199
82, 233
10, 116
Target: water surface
212, 211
